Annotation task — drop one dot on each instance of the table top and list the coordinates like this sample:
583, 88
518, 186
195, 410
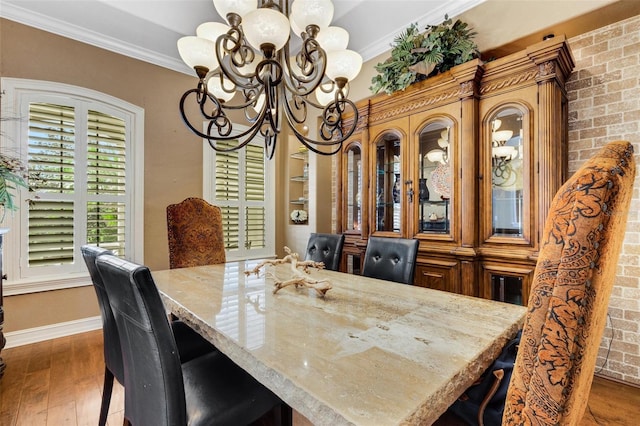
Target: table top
369, 352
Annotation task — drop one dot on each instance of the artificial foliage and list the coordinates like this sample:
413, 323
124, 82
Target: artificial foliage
417, 55
13, 174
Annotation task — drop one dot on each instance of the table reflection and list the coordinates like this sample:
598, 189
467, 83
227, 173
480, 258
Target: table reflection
241, 315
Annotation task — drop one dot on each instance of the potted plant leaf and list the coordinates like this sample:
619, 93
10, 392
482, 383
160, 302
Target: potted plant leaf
417, 55
13, 174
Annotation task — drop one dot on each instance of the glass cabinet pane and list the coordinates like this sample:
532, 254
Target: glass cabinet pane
507, 172
354, 189
506, 288
434, 180
388, 184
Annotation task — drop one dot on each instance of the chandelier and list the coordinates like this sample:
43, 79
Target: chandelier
249, 76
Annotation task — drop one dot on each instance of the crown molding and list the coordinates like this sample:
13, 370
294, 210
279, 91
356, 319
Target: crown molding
451, 8
46, 23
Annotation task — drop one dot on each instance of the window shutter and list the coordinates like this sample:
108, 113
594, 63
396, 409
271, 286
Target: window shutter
255, 217
53, 157
52, 147
106, 181
237, 181
228, 189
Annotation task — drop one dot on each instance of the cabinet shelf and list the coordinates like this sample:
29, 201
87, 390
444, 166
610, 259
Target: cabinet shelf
299, 155
299, 178
299, 202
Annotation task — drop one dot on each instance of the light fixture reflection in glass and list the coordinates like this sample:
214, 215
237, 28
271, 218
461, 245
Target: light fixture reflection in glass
440, 155
252, 59
502, 155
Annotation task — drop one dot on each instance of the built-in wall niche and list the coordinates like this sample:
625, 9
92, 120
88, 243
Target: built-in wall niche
434, 176
507, 171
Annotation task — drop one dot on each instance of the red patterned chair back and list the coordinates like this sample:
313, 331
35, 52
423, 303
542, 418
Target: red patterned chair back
569, 297
195, 234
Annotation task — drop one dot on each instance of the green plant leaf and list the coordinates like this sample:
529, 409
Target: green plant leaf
446, 45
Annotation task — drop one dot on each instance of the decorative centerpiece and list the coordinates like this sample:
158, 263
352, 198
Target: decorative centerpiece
300, 270
299, 216
417, 55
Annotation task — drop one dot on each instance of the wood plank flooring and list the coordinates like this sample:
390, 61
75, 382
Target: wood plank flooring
59, 382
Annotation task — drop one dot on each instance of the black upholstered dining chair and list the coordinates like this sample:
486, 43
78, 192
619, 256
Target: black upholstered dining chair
325, 248
159, 390
190, 344
391, 259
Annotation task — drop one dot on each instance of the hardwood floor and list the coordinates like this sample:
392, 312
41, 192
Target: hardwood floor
59, 382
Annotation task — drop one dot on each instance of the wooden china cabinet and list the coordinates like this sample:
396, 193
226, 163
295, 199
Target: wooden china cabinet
467, 162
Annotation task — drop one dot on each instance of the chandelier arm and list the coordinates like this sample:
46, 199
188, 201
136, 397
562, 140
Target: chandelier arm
332, 128
305, 83
234, 46
220, 121
271, 107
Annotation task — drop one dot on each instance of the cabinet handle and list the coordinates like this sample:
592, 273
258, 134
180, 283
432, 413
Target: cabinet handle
410, 190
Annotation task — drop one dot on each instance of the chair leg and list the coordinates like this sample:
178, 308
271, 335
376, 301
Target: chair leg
286, 415
106, 396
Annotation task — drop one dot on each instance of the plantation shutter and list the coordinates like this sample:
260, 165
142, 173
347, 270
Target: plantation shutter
227, 190
52, 143
106, 181
65, 203
255, 215
240, 192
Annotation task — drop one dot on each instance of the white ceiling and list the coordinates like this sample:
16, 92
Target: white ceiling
149, 29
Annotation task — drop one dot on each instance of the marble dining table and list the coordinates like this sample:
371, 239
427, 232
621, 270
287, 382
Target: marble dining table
370, 352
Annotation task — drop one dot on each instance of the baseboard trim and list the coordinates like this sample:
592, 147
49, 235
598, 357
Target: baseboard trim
53, 331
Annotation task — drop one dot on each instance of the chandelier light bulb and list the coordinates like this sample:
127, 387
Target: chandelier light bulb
239, 7
198, 52
266, 26
311, 12
325, 94
216, 88
333, 38
343, 64
212, 30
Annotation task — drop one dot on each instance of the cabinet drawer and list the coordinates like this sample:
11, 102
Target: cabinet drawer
437, 274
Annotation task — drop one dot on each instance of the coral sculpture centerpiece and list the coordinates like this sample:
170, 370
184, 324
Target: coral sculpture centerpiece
300, 270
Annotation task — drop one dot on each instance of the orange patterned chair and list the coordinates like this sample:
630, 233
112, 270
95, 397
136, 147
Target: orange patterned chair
195, 234
570, 292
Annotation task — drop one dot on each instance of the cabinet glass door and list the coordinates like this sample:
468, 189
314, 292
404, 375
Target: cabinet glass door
434, 177
353, 189
507, 172
388, 184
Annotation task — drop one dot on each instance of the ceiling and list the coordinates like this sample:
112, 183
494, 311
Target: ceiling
148, 29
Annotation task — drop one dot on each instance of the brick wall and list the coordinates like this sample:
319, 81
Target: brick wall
604, 105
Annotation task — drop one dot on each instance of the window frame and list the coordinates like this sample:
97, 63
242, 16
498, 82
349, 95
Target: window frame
208, 193
17, 95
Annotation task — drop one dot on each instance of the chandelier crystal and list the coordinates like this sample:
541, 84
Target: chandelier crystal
249, 76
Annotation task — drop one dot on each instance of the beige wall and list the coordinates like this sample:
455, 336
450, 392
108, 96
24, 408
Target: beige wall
173, 157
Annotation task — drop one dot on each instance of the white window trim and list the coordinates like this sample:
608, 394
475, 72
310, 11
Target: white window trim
208, 193
14, 90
